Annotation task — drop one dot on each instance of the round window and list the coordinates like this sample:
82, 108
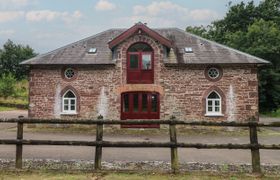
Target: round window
69, 73
213, 73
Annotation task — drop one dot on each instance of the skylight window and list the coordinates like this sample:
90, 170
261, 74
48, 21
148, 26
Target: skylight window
188, 50
92, 50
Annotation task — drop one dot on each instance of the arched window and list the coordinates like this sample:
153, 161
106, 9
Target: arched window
69, 102
213, 104
140, 63
140, 47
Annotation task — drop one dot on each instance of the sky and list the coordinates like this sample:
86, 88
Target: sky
46, 25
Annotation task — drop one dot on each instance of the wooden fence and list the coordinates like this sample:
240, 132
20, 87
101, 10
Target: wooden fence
254, 146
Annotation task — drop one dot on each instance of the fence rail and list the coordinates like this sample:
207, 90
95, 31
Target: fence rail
252, 122
254, 146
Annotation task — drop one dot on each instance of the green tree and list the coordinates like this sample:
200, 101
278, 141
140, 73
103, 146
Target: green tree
198, 30
255, 30
10, 57
7, 85
262, 40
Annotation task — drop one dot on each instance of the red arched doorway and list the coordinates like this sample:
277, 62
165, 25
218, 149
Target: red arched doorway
140, 105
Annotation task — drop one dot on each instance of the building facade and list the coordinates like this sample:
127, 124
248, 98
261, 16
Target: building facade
143, 73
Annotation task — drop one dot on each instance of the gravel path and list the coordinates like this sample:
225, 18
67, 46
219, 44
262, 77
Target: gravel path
142, 166
11, 114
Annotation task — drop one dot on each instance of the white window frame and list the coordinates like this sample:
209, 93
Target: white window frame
213, 112
69, 111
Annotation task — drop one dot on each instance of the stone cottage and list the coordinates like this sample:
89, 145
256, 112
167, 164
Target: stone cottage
144, 73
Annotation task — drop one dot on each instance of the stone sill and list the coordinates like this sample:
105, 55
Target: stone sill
69, 113
214, 115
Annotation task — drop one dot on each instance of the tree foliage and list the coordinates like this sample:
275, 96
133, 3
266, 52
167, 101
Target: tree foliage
254, 29
10, 57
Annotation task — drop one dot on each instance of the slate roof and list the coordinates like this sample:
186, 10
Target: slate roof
204, 51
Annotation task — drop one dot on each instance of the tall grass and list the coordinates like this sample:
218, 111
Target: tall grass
20, 95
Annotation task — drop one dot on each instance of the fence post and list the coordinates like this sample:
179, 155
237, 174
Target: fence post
98, 148
174, 151
19, 146
255, 151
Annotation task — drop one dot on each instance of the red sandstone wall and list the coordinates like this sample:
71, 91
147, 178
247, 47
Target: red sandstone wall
185, 88
45, 84
181, 88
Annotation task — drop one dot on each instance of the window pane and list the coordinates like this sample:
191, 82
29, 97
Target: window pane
72, 108
210, 109
69, 73
146, 61
66, 101
154, 103
140, 47
65, 108
217, 109
126, 103
144, 102
72, 101
135, 103
69, 94
213, 73
217, 106
217, 103
213, 95
133, 61
209, 103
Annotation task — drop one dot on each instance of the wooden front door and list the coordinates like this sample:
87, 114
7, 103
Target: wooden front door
140, 105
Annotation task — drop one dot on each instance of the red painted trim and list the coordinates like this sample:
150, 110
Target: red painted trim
139, 26
140, 115
139, 69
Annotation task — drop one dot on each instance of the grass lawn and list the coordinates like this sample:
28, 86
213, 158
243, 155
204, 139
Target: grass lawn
3, 108
272, 114
37, 175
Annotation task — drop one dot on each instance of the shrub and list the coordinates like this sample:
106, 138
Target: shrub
21, 90
7, 85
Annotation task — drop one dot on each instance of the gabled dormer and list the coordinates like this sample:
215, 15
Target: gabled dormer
140, 60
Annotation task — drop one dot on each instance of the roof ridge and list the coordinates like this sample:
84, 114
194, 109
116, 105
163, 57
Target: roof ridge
224, 46
67, 45
139, 27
